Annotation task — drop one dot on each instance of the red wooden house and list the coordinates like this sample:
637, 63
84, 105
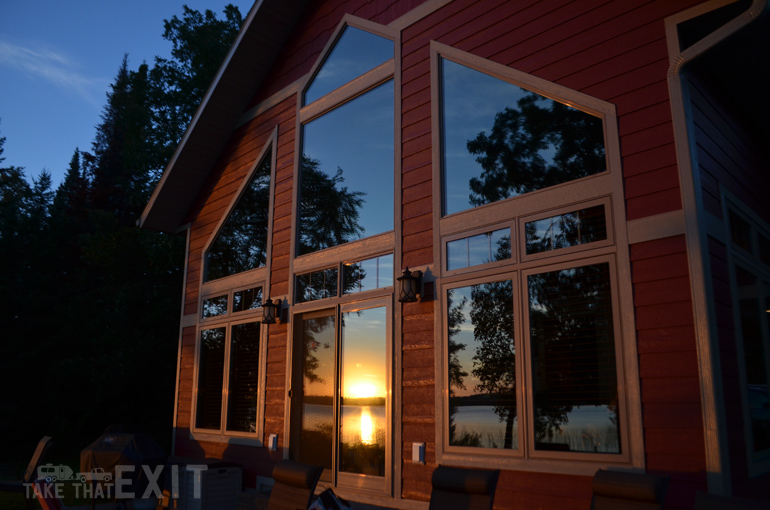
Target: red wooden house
581, 188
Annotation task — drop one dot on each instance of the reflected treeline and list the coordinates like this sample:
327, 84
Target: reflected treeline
541, 143
241, 243
573, 347
570, 229
329, 213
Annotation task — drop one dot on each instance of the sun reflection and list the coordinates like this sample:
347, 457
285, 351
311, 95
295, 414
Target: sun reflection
367, 426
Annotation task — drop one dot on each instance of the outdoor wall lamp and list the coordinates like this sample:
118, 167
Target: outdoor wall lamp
410, 286
271, 312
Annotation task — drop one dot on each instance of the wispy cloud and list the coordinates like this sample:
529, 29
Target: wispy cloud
55, 68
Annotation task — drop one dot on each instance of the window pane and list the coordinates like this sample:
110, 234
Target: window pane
482, 366
363, 385
241, 243
752, 308
764, 249
244, 378
501, 141
213, 307
479, 249
247, 299
211, 365
565, 230
573, 360
740, 231
355, 53
317, 395
374, 273
316, 285
346, 188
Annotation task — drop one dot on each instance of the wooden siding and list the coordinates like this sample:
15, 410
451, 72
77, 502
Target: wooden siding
727, 153
668, 367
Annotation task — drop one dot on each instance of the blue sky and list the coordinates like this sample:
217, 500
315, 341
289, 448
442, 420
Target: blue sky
57, 60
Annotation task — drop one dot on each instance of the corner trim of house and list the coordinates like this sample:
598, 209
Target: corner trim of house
715, 434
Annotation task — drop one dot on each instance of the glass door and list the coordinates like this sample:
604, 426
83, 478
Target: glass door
341, 393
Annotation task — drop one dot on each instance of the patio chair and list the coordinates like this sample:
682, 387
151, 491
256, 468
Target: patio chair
461, 488
705, 501
633, 491
294, 485
19, 486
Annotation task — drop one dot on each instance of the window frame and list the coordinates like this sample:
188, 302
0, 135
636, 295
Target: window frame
758, 462
222, 435
229, 285
602, 188
390, 70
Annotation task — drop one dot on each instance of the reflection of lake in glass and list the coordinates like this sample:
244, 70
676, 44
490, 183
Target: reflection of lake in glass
360, 424
588, 429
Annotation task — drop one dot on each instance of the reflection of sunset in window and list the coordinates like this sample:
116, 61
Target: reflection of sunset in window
367, 426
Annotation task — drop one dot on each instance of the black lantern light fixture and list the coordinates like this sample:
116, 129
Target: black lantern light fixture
409, 286
271, 311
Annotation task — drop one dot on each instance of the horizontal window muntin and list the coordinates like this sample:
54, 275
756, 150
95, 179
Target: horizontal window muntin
524, 358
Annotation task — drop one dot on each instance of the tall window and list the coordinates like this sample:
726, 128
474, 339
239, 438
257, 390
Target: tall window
229, 353
347, 156
750, 276
531, 339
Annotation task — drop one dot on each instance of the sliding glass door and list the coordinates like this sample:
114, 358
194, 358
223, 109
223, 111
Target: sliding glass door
341, 393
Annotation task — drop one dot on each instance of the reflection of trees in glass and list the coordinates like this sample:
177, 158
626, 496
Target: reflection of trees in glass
211, 363
241, 243
329, 213
540, 144
565, 230
494, 362
573, 350
455, 319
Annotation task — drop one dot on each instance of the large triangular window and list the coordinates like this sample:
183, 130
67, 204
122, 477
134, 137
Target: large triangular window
241, 243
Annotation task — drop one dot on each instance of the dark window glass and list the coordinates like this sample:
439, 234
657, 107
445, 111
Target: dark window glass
241, 243
573, 360
363, 389
214, 307
244, 378
317, 392
247, 299
479, 249
753, 311
482, 361
355, 53
346, 186
764, 249
740, 231
374, 273
565, 230
501, 141
316, 285
211, 365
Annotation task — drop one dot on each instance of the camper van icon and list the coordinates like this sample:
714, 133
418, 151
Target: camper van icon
61, 473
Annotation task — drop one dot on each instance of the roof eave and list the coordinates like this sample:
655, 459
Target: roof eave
264, 32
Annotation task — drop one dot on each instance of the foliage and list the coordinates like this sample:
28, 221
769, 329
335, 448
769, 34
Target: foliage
89, 303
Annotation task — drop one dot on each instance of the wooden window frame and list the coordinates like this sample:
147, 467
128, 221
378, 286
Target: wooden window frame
228, 285
602, 188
